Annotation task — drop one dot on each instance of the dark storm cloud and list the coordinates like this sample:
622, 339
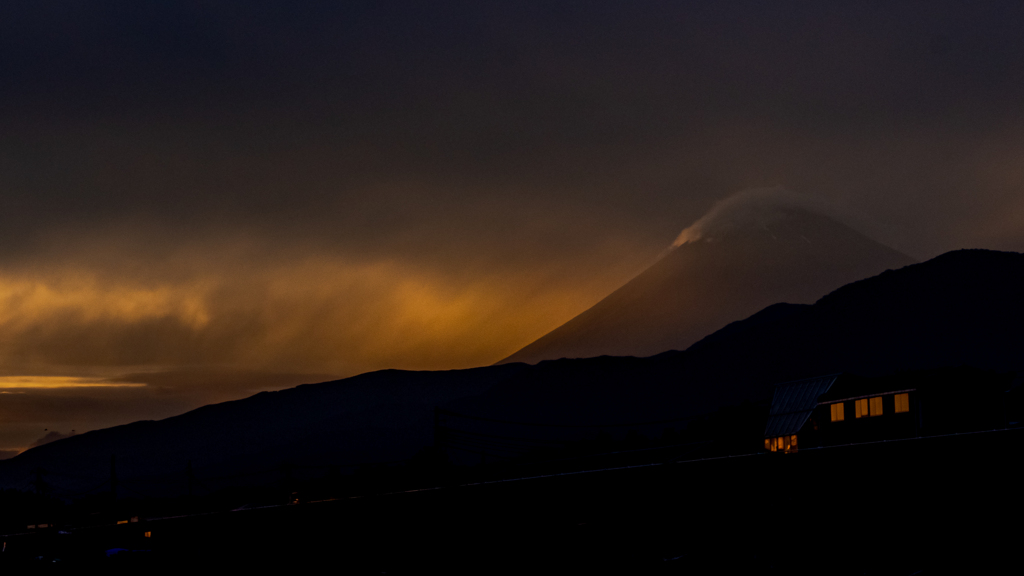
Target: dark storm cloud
271, 188
386, 119
259, 110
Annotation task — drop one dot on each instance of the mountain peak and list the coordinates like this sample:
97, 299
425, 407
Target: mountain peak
752, 250
757, 209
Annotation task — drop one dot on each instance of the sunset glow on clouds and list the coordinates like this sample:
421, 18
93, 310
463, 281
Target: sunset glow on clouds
233, 324
213, 199
318, 314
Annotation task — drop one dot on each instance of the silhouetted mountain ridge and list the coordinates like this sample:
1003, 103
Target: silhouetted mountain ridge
961, 308
768, 315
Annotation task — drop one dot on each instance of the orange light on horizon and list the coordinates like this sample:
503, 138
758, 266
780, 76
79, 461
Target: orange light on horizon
57, 382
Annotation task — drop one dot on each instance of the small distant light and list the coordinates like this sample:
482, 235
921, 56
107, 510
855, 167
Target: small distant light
147, 534
122, 521
135, 518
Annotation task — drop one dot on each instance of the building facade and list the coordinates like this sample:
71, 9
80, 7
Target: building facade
846, 409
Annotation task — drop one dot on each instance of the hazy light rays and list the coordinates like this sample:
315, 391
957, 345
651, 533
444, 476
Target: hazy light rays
90, 343
235, 306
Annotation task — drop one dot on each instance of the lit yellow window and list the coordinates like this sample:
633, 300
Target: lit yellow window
837, 412
792, 442
902, 403
148, 534
860, 408
876, 406
767, 443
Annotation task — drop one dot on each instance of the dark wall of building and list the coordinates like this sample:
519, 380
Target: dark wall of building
942, 401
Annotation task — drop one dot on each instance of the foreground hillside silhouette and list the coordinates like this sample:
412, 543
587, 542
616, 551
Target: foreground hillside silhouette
945, 505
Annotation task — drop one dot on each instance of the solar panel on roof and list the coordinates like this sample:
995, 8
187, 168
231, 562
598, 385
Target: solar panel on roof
793, 403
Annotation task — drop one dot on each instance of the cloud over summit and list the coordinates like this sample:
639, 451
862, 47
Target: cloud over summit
755, 208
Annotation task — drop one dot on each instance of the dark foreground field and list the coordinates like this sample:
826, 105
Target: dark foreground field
945, 505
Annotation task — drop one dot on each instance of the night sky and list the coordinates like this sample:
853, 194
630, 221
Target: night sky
202, 200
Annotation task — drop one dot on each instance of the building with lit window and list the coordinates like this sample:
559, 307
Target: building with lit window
793, 404
866, 409
845, 409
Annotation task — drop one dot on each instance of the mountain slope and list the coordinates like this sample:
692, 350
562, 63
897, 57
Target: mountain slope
962, 308
373, 417
780, 255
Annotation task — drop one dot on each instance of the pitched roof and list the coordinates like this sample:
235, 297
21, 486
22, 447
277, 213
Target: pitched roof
793, 403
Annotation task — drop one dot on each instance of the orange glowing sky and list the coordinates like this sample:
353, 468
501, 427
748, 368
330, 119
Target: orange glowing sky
207, 201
